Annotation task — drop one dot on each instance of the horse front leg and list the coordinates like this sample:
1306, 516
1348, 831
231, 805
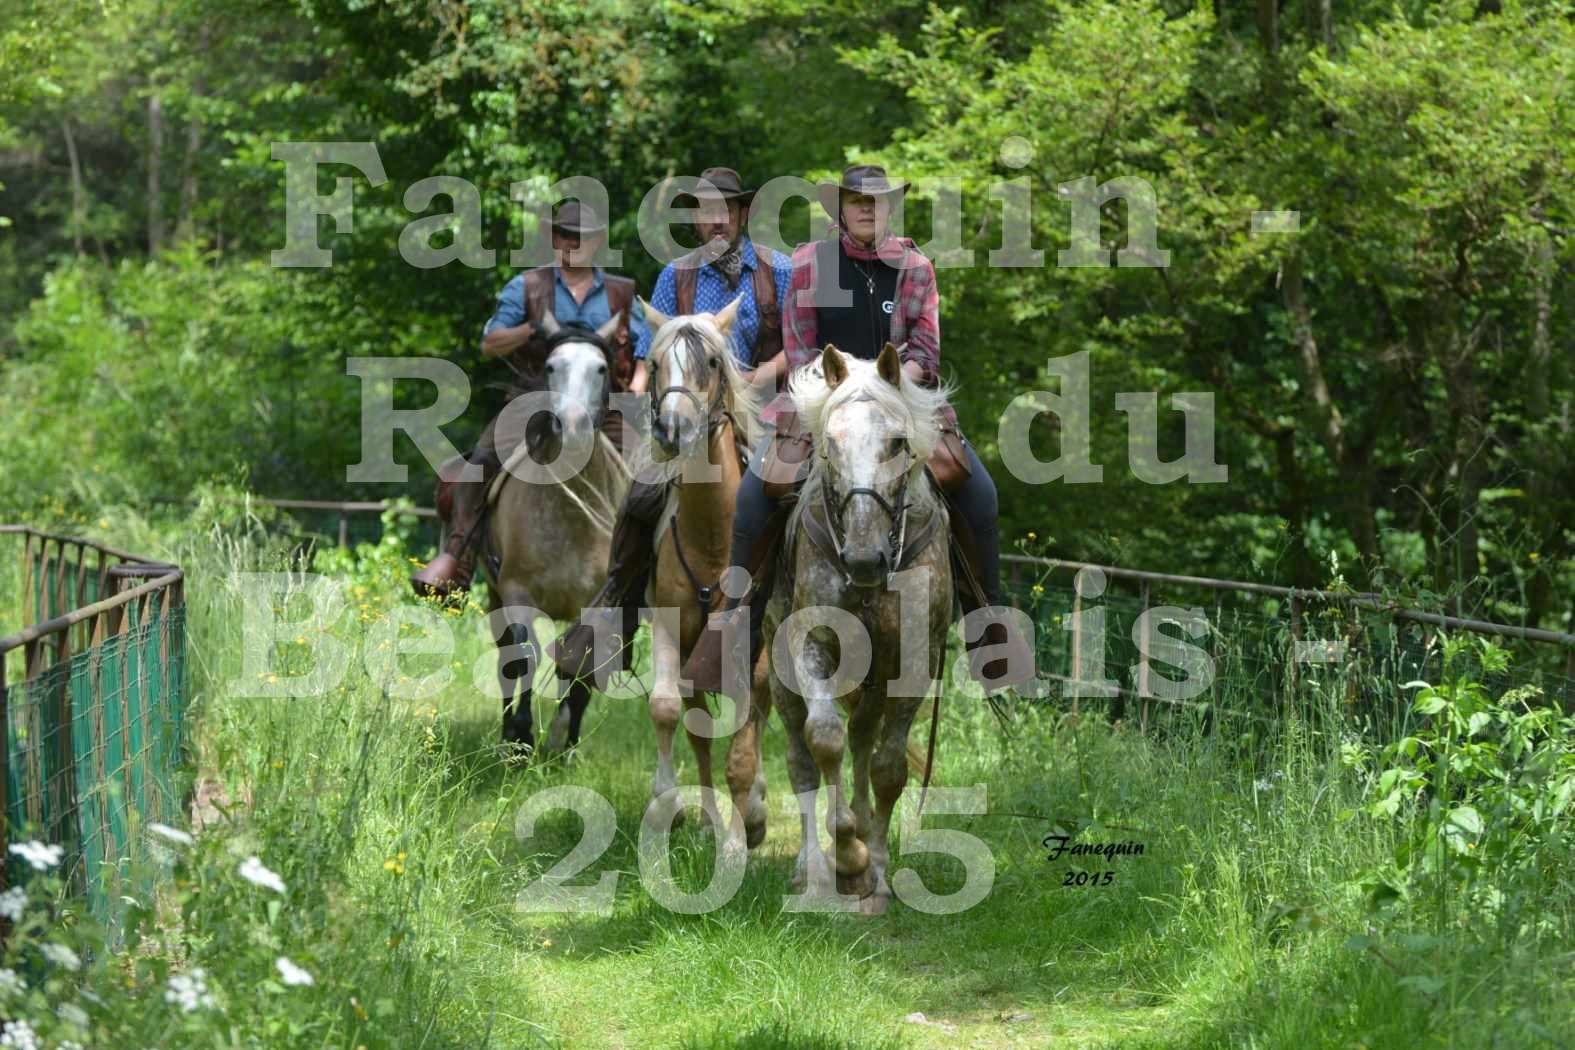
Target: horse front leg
889, 772
666, 705
564, 735
812, 873
517, 646
746, 772
863, 724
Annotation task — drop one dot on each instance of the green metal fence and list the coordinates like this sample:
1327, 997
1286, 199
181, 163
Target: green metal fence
92, 701
1263, 641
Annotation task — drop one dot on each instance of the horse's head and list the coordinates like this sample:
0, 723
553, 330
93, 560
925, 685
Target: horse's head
693, 377
874, 430
579, 379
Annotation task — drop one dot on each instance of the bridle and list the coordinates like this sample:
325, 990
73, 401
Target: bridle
715, 414
896, 535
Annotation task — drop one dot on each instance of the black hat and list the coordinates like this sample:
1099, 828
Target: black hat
723, 183
858, 178
573, 217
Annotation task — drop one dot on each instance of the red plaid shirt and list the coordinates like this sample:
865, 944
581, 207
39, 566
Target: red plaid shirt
916, 320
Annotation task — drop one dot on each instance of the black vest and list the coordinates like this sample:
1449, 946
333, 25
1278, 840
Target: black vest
864, 327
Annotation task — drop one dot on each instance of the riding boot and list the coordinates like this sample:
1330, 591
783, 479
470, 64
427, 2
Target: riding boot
449, 573
460, 503
1012, 662
706, 663
627, 577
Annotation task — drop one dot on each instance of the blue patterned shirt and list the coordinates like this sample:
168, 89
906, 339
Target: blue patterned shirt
593, 312
713, 294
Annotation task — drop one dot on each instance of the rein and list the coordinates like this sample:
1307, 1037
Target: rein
716, 415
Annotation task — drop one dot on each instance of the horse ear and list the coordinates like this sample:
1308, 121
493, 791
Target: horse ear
654, 318
889, 366
833, 366
728, 314
610, 327
548, 325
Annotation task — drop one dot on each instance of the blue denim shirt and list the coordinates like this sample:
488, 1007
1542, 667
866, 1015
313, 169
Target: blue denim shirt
713, 294
593, 312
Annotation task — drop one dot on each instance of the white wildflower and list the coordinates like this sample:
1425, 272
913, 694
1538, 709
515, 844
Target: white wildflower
60, 955
292, 973
189, 991
11, 984
1262, 786
42, 857
73, 1014
13, 903
175, 835
254, 872
20, 1036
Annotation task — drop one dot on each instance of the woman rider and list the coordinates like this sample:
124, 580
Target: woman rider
893, 299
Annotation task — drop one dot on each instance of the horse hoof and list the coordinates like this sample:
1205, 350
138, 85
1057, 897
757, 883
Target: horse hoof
665, 811
515, 754
861, 884
755, 830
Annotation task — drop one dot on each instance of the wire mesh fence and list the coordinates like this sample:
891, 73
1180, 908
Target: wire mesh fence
1143, 643
92, 703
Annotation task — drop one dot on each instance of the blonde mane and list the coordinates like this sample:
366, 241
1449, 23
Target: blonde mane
911, 406
739, 398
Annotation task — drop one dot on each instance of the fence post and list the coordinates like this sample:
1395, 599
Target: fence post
62, 788
27, 579
1214, 656
344, 529
1143, 668
1296, 636
1077, 644
5, 800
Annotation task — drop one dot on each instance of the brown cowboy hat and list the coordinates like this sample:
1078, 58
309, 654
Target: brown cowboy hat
858, 178
575, 218
724, 184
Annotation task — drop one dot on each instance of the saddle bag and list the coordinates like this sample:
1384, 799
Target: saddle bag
787, 459
948, 464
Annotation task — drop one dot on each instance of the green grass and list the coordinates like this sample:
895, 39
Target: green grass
1230, 931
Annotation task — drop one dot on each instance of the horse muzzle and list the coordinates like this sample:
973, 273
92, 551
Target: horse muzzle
867, 569
673, 433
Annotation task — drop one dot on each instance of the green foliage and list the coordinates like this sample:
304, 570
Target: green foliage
138, 382
1483, 789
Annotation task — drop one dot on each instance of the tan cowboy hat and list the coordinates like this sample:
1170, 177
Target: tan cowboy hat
724, 184
573, 217
858, 178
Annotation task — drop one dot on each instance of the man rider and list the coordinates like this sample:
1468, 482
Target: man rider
573, 292
893, 299
725, 266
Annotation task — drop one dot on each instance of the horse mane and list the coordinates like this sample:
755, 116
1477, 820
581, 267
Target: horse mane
914, 407
739, 398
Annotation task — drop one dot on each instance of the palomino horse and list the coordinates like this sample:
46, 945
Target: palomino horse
704, 419
550, 528
863, 600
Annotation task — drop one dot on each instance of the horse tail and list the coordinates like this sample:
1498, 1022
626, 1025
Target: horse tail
919, 754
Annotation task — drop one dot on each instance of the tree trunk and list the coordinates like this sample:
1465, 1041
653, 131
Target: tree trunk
1269, 25
155, 173
1320, 24
1467, 470
1548, 447
1331, 426
78, 195
186, 226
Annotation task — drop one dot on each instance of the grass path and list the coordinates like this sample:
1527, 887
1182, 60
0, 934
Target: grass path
1233, 928
1003, 973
